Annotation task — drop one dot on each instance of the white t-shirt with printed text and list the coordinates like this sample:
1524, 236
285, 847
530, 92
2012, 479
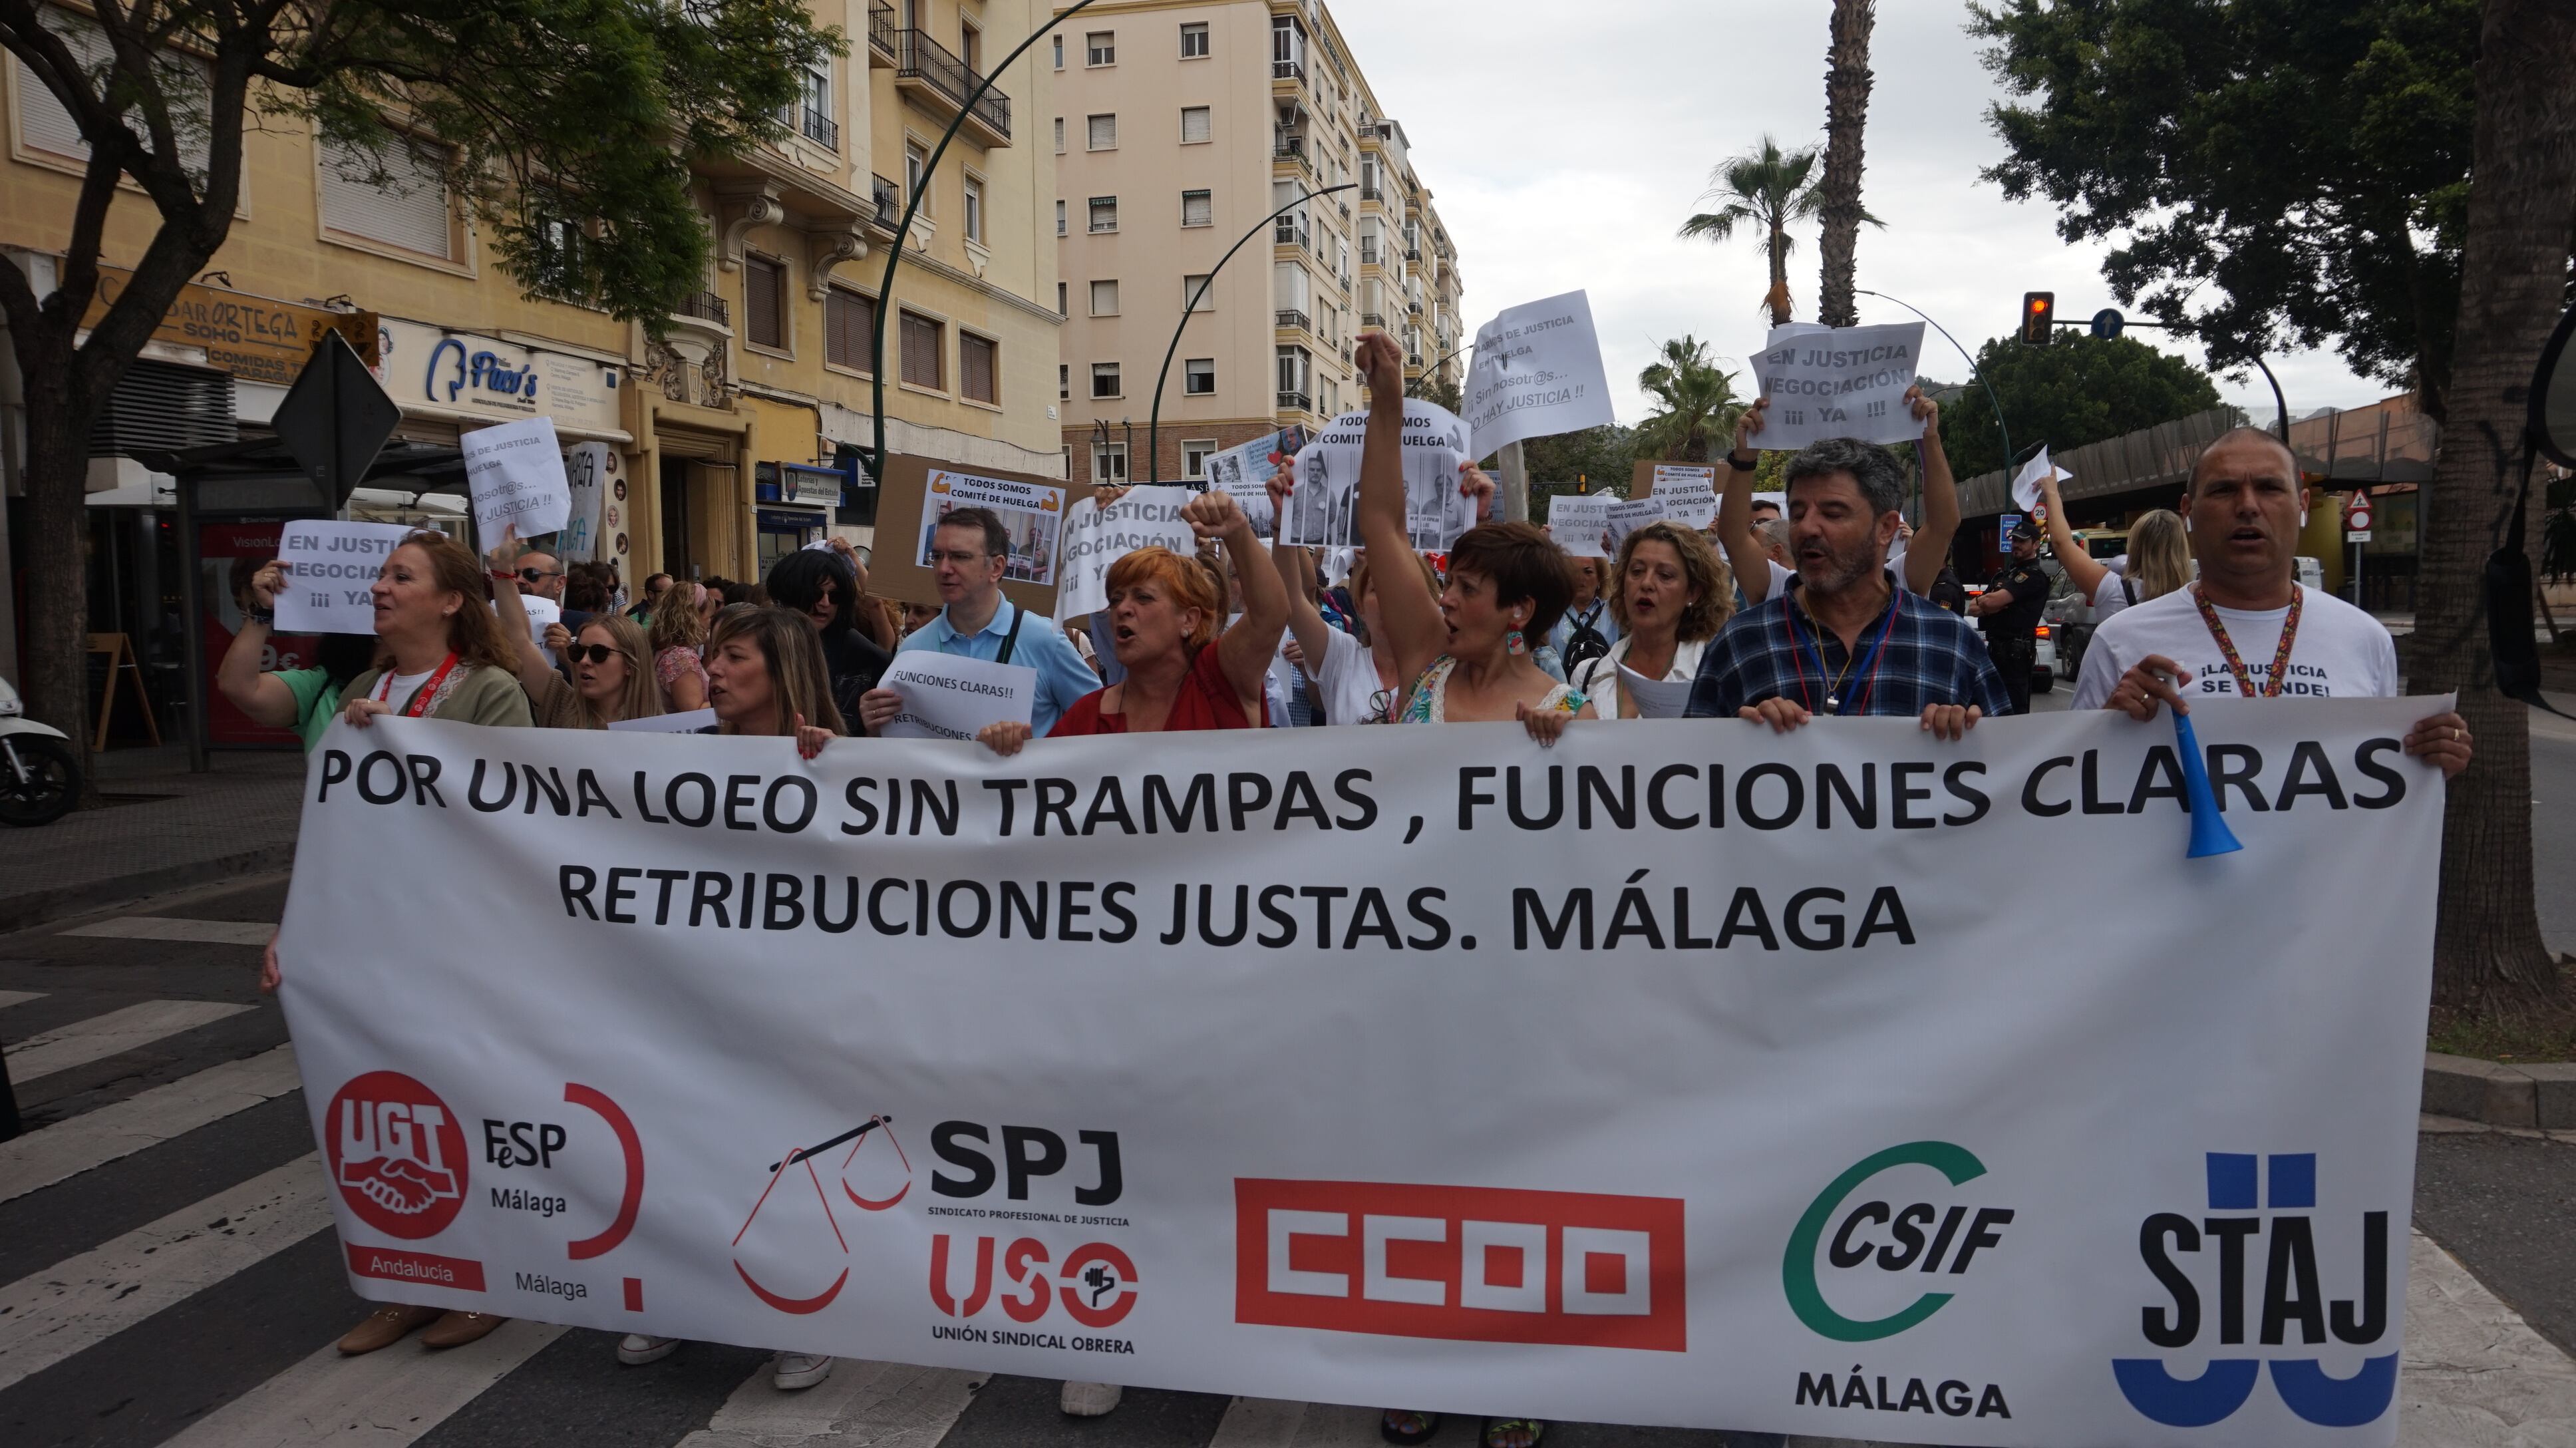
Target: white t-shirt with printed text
2340, 653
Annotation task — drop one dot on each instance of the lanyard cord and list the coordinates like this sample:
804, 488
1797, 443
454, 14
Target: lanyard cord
1877, 656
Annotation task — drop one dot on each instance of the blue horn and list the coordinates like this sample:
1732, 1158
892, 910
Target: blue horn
2209, 832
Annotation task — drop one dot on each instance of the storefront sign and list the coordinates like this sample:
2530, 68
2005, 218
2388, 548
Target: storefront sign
451, 374
256, 339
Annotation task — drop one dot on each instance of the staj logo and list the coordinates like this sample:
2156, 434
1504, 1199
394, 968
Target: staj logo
2293, 1299
397, 1154
1474, 1264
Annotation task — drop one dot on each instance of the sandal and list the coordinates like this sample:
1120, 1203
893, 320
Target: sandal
1495, 1428
1403, 1425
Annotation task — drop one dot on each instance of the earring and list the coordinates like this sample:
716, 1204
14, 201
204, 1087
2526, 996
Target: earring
1514, 644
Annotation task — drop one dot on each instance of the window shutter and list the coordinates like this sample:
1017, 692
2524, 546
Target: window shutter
849, 324
921, 351
975, 368
1104, 133
410, 211
1198, 208
1195, 125
43, 123
760, 299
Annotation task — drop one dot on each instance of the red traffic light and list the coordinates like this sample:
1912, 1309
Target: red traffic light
2038, 318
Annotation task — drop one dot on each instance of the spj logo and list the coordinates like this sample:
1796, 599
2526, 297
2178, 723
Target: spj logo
1879, 1238
397, 1154
2293, 1298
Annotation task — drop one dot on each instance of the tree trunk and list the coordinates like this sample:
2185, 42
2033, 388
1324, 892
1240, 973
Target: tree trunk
1777, 299
1846, 118
56, 666
2488, 957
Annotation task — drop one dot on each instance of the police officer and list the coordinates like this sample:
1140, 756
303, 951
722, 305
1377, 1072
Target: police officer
2010, 610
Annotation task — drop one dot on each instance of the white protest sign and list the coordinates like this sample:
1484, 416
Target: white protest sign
516, 471
1653, 698
1624, 518
2027, 484
1321, 512
1579, 524
1689, 494
1096, 537
1031, 513
589, 467
1844, 382
1143, 992
1537, 373
949, 696
1245, 472
541, 612
331, 574
688, 722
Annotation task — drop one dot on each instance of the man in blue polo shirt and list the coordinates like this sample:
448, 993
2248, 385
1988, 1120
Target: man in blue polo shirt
968, 551
1846, 640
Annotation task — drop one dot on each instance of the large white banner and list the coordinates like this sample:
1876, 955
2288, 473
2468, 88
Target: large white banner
1847, 1083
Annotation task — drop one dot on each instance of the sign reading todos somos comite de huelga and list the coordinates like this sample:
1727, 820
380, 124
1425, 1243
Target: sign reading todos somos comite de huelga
1849, 1083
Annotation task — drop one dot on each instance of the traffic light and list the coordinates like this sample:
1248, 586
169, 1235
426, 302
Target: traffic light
2038, 317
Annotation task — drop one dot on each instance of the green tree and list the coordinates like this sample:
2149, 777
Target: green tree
1695, 404
1765, 191
2077, 391
1847, 82
568, 127
2298, 170
1597, 457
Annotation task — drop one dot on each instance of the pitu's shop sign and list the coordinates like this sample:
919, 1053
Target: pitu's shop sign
434, 371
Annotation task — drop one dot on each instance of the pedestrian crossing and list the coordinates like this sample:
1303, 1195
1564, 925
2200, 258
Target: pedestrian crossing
223, 1243
164, 927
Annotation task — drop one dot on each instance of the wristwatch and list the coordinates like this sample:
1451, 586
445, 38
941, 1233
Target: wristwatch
1743, 464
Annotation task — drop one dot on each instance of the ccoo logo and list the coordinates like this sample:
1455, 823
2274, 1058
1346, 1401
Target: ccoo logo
2270, 1286
397, 1155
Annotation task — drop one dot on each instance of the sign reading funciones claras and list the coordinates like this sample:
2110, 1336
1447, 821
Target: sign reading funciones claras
517, 473
947, 696
1845, 382
1032, 513
331, 574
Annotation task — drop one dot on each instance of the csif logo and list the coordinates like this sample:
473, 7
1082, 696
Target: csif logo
2269, 1286
1882, 1238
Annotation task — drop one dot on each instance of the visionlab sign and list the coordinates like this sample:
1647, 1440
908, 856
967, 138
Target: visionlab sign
460, 375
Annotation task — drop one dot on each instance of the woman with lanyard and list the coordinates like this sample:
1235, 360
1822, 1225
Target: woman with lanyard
1672, 594
450, 661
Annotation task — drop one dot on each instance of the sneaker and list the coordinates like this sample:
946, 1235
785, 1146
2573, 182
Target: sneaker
793, 1371
1090, 1400
635, 1349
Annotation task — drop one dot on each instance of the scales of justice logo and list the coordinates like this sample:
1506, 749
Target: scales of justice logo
794, 1238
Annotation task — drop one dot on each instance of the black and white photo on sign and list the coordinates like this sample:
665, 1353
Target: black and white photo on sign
1580, 525
516, 473
1838, 382
330, 575
1032, 515
1322, 509
1537, 373
1245, 472
1624, 518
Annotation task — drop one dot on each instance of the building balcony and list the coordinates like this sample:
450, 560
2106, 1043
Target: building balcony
804, 120
1373, 193
1291, 317
1413, 253
1368, 253
1294, 70
1373, 319
1296, 402
884, 50
1290, 233
931, 76
889, 206
705, 307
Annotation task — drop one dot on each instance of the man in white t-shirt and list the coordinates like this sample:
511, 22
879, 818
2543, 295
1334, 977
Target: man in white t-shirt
2248, 628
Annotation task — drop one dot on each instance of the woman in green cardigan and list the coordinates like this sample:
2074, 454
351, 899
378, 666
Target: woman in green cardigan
450, 659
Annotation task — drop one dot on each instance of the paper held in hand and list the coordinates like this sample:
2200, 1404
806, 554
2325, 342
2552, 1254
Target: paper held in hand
517, 473
1626, 518
331, 575
949, 697
1245, 473
1580, 525
1843, 382
1323, 509
689, 722
1689, 493
2033, 476
1096, 537
1537, 373
1653, 698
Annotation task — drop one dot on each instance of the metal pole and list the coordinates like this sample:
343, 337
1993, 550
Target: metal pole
2279, 403
1154, 423
912, 208
1973, 369
1433, 368
192, 634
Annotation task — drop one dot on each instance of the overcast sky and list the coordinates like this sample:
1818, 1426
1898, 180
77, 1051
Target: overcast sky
1566, 144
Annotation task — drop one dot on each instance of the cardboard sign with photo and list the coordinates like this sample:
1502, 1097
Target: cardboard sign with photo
918, 492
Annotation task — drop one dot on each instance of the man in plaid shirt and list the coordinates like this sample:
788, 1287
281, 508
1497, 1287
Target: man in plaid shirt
1847, 640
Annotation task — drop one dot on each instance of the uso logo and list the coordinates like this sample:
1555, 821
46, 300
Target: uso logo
397, 1154
1475, 1264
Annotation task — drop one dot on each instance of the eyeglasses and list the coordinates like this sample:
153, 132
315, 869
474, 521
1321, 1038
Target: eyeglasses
594, 653
536, 575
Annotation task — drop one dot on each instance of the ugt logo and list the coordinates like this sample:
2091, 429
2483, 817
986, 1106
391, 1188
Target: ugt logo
397, 1155
2293, 1298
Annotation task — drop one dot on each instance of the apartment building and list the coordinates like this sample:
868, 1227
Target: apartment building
732, 437
1179, 127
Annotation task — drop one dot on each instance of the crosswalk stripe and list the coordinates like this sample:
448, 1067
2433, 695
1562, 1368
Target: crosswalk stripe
1278, 1423
94, 1138
384, 1399
881, 1405
169, 927
48, 1316
10, 998
100, 1037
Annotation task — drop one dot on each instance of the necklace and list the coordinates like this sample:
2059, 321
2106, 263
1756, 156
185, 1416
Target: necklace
2236, 662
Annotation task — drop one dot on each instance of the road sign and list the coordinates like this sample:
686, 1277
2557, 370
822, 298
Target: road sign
2356, 515
335, 419
2108, 323
2356, 535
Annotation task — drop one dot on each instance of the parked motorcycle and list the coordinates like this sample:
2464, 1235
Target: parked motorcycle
39, 775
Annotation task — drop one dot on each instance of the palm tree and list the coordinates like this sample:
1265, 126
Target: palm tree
1764, 190
1838, 191
1695, 399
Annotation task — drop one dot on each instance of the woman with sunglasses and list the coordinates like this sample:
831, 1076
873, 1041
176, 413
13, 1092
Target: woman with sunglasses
611, 679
